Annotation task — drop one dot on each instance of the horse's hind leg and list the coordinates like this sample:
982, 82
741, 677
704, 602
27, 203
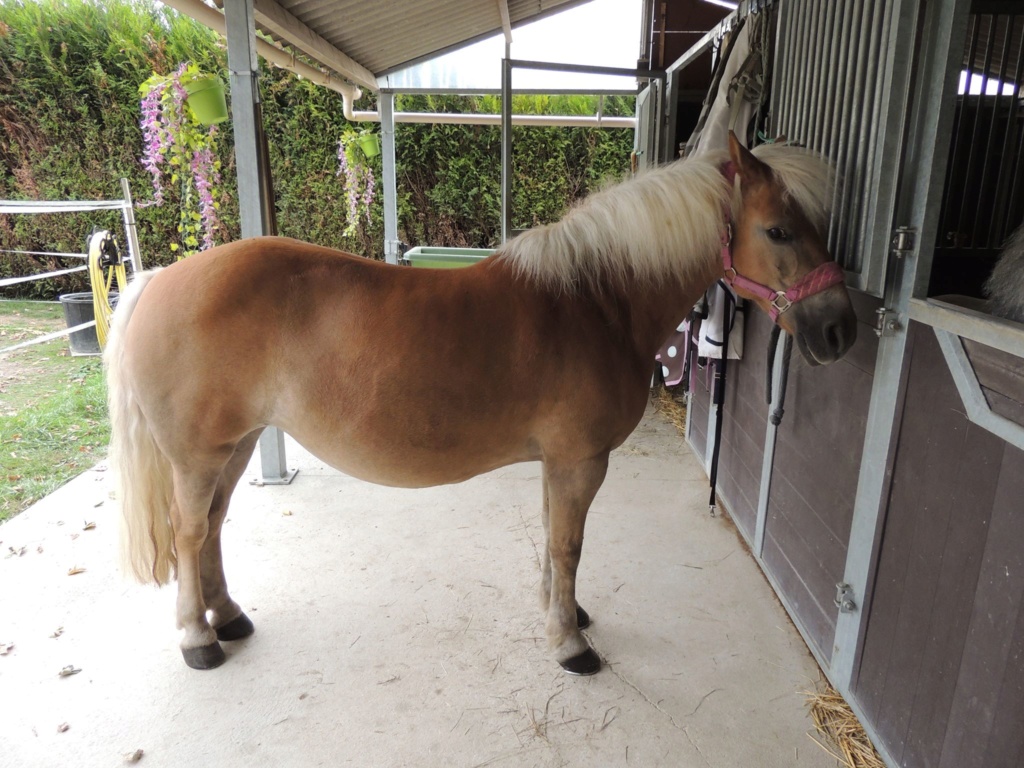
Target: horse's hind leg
193, 495
570, 491
226, 617
582, 617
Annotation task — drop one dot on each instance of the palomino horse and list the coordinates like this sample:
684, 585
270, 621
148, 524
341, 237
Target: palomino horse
542, 352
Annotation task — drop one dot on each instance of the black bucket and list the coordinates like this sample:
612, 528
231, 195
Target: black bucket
77, 310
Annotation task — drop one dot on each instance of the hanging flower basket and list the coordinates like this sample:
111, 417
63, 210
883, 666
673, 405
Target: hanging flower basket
206, 99
369, 144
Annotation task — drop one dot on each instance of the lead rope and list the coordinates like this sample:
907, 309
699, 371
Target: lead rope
787, 352
718, 392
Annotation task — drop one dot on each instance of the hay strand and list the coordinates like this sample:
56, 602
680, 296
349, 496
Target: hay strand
836, 722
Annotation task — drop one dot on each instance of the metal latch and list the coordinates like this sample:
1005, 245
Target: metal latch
844, 598
903, 239
886, 322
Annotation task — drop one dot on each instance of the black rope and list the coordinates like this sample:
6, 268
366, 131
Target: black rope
773, 343
718, 393
787, 352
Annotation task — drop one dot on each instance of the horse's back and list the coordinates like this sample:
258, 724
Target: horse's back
396, 375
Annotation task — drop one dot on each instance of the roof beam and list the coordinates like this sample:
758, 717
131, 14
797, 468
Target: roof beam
506, 23
280, 22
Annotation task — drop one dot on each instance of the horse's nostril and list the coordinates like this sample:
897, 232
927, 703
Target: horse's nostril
834, 336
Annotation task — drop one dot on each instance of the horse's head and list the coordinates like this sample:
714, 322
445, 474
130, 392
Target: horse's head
780, 261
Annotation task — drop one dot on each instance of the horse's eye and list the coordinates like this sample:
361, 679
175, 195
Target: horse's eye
778, 234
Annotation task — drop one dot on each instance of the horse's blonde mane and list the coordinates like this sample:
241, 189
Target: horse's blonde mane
806, 178
664, 224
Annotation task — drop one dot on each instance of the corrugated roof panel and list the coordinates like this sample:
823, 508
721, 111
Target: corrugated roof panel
388, 34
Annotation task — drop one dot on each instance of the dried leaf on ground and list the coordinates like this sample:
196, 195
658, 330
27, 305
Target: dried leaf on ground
69, 670
89, 525
58, 632
62, 727
73, 570
133, 757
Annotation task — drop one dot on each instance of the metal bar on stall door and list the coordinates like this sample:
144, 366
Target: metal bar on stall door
846, 160
816, 137
803, 37
782, 108
959, 133
828, 105
817, 74
872, 193
852, 175
840, 98
997, 99
1009, 164
976, 128
807, 89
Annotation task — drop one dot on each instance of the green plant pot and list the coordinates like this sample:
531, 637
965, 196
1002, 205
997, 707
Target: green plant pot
207, 101
369, 144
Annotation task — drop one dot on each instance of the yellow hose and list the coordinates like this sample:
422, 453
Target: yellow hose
101, 284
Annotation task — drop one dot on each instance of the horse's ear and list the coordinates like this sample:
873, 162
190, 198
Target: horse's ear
748, 167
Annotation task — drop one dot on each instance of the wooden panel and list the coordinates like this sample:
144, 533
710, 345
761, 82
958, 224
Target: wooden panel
1001, 376
744, 423
988, 707
814, 478
937, 663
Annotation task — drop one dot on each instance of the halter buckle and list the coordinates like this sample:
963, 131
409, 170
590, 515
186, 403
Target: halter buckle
781, 303
731, 278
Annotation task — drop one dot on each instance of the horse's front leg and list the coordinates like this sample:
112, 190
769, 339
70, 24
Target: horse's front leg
582, 617
569, 491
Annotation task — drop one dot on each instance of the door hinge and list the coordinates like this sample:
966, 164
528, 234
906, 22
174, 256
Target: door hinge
844, 598
886, 322
903, 241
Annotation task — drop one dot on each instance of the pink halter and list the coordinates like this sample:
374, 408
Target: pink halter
820, 278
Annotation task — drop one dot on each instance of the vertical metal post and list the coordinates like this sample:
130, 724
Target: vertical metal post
252, 201
506, 149
392, 247
129, 227
245, 112
920, 196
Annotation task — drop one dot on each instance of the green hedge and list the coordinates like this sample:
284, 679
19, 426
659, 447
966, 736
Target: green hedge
69, 129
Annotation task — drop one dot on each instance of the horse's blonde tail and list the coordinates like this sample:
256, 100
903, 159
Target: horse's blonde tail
142, 472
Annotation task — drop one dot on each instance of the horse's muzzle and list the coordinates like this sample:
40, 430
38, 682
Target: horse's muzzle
825, 325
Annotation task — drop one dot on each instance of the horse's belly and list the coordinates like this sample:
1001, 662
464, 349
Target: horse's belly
398, 464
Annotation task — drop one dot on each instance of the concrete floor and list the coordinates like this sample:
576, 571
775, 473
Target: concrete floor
401, 628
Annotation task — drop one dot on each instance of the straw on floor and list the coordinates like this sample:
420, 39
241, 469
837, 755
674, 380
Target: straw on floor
671, 406
836, 722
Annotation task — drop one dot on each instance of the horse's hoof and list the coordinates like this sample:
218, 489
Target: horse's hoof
236, 629
204, 657
582, 618
587, 663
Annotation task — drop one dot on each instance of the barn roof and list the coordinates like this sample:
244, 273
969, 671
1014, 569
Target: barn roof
361, 40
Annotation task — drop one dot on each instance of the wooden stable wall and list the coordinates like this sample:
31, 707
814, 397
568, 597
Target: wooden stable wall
814, 478
941, 676
815, 468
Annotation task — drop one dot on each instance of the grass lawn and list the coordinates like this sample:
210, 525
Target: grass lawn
53, 410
